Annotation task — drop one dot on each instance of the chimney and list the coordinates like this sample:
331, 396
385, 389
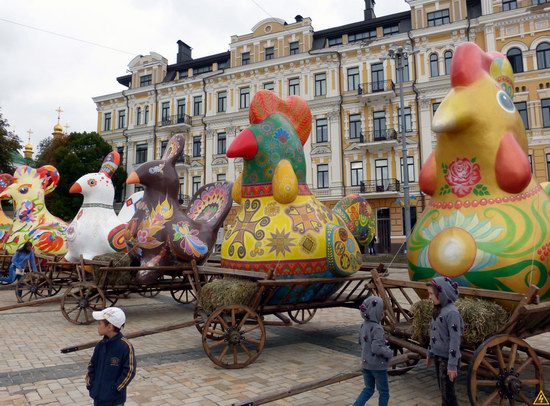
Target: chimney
369, 10
184, 52
299, 18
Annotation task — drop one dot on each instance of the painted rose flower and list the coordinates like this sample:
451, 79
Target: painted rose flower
462, 175
26, 211
142, 236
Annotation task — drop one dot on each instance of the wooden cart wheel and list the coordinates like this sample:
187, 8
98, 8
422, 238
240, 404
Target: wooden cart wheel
233, 336
302, 316
32, 286
200, 316
504, 370
184, 296
404, 367
149, 292
80, 300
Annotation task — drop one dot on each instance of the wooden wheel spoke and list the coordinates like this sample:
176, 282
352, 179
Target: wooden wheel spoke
224, 352
233, 317
73, 309
235, 355
523, 397
527, 362
530, 381
224, 325
254, 327
501, 402
216, 344
28, 292
486, 382
513, 353
489, 367
245, 350
244, 319
78, 314
500, 357
86, 315
491, 397
252, 340
513, 402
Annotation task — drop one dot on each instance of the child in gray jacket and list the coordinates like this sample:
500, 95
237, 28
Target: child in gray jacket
375, 354
446, 330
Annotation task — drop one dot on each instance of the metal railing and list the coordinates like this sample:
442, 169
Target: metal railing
184, 200
375, 186
387, 134
376, 87
177, 119
184, 159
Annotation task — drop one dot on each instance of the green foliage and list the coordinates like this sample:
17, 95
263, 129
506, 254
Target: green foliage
9, 144
74, 156
445, 189
481, 190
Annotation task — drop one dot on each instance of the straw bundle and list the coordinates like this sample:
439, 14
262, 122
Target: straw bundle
227, 291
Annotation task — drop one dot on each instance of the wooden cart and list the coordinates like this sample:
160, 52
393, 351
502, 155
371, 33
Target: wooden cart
504, 369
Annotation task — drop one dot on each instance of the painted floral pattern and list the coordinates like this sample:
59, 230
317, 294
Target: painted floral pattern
190, 242
462, 175
26, 213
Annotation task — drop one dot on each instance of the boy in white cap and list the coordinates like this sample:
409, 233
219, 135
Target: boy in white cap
113, 364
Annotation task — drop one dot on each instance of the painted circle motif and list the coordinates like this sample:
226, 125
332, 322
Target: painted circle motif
452, 252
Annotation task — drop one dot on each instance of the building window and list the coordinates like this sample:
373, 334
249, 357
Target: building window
434, 65
197, 105
543, 55
322, 176
321, 130
145, 80
377, 77
269, 86
163, 145
530, 157
294, 86
181, 110
138, 116
120, 151
269, 53
379, 125
521, 107
515, 57
448, 55
334, 41
107, 122
354, 126
222, 102
356, 173
196, 184
196, 146
412, 217
202, 69
182, 189
165, 113
121, 118
545, 104
353, 78
362, 36
410, 166
537, 2
509, 5
408, 119
244, 97
222, 139
294, 48
435, 106
320, 84
405, 62
245, 58
146, 116
141, 153
392, 29
220, 177
548, 166
439, 17
381, 174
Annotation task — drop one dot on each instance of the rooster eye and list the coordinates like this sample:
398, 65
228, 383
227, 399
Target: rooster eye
23, 190
505, 102
92, 182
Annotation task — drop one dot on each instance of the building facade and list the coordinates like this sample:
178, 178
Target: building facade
351, 88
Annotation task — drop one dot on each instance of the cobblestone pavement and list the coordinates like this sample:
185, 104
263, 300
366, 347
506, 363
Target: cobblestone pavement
173, 369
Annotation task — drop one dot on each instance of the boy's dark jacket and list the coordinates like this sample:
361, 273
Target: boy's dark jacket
447, 327
111, 369
374, 352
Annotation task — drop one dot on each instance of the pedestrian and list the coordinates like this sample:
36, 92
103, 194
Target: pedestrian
113, 364
372, 246
447, 329
375, 354
22, 258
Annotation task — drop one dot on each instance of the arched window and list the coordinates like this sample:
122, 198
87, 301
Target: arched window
448, 59
434, 65
516, 59
543, 55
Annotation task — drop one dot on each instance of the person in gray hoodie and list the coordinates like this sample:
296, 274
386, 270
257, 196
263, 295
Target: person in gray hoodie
447, 329
375, 355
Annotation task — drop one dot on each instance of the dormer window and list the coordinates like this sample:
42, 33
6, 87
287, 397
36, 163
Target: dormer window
390, 30
294, 48
145, 80
269, 53
334, 41
439, 17
245, 58
362, 36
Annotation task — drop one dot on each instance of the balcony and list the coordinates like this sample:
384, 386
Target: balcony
184, 159
384, 187
184, 200
328, 192
177, 122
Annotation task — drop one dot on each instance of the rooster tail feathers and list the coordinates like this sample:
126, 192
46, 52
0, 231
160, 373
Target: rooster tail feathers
211, 204
355, 213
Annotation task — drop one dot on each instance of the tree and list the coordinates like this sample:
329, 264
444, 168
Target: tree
74, 156
9, 144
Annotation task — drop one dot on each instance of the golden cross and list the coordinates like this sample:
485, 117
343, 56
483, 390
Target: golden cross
59, 111
30, 133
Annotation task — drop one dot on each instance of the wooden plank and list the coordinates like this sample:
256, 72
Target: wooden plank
383, 294
417, 349
279, 282
141, 333
527, 299
295, 390
233, 272
32, 303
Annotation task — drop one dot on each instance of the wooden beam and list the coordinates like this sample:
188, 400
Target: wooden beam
141, 333
527, 299
32, 303
384, 296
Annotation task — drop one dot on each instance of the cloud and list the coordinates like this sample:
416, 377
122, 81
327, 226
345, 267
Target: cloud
41, 71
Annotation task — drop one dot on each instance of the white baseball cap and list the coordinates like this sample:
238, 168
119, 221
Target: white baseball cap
113, 315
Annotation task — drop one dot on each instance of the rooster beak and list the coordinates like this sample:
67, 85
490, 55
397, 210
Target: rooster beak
133, 179
244, 146
75, 188
452, 117
5, 195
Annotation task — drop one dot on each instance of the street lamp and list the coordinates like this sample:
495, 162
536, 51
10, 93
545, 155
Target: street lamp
400, 54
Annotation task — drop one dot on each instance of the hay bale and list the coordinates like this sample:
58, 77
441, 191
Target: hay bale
115, 277
482, 319
227, 291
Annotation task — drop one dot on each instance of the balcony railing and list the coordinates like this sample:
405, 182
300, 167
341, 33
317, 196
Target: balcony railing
184, 200
360, 139
184, 159
375, 186
387, 134
376, 87
177, 119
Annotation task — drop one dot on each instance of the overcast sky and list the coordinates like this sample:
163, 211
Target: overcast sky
40, 71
